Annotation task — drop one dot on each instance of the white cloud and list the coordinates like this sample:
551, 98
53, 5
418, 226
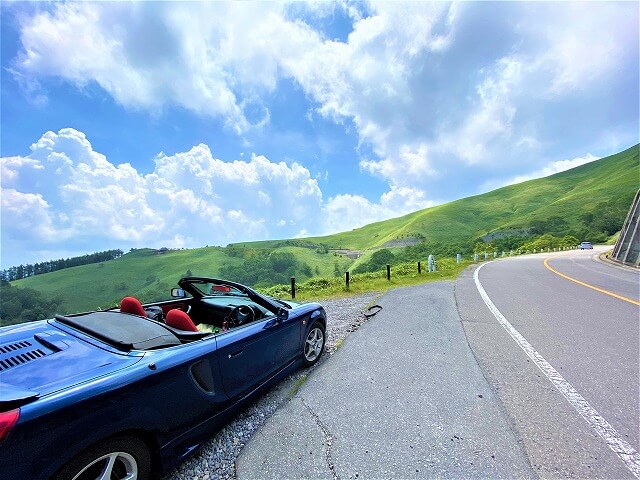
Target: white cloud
150, 56
554, 167
549, 169
28, 213
64, 191
422, 82
345, 212
580, 45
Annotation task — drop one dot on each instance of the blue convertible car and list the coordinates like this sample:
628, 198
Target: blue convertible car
128, 393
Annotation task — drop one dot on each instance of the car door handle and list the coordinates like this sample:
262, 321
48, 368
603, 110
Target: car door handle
235, 354
271, 323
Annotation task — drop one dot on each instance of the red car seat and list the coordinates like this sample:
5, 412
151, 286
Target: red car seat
176, 318
132, 305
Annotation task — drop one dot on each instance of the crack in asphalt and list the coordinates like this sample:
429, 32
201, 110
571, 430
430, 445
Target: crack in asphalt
328, 439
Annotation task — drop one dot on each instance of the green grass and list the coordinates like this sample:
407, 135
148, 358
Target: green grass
143, 273
613, 239
404, 274
296, 386
323, 262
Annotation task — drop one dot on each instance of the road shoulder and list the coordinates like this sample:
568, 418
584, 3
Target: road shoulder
402, 398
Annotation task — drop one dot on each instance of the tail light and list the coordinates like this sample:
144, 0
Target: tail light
7, 422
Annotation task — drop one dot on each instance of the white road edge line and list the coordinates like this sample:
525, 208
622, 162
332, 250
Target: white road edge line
626, 452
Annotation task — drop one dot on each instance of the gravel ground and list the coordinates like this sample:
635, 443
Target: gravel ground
216, 458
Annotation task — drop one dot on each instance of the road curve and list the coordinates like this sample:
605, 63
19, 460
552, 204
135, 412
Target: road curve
582, 316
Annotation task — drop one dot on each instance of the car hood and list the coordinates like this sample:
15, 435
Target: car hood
38, 358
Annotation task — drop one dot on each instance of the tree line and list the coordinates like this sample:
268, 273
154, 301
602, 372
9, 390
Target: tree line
29, 270
263, 269
25, 305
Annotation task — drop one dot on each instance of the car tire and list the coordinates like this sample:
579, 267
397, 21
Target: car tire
314, 344
126, 456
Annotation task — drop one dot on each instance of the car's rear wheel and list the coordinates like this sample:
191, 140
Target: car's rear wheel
314, 344
117, 458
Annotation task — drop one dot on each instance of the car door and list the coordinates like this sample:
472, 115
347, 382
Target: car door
189, 383
289, 330
250, 354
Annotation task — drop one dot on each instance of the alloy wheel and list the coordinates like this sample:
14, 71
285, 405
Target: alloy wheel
112, 466
313, 344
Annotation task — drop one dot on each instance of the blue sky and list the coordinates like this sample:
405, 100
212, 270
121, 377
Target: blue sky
188, 124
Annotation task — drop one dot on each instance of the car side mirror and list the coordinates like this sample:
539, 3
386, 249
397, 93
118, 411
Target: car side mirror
178, 293
282, 314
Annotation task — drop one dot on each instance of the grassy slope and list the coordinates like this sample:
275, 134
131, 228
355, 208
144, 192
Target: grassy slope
147, 275
143, 273
568, 195
324, 262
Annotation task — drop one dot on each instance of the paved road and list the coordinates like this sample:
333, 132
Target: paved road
434, 386
402, 398
589, 337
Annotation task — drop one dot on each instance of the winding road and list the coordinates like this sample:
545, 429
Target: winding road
523, 367
581, 317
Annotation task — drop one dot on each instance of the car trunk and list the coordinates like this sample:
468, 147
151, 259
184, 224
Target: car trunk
38, 358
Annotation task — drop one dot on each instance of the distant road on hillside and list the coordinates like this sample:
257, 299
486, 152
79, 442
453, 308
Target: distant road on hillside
580, 317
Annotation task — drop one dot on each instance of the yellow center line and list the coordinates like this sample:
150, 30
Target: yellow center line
601, 290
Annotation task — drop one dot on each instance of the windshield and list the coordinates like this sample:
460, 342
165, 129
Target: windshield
211, 288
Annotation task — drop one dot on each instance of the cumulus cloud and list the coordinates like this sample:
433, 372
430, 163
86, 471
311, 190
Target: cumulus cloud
345, 212
64, 192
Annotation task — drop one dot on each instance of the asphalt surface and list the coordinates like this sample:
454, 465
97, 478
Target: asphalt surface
590, 338
402, 398
434, 386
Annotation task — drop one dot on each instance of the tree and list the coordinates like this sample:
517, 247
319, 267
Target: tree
24, 304
305, 269
379, 260
282, 261
336, 269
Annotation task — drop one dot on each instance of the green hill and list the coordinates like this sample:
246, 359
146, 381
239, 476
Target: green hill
589, 202
148, 274
597, 188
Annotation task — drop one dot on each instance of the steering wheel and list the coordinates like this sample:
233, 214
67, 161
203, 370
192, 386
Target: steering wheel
240, 315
